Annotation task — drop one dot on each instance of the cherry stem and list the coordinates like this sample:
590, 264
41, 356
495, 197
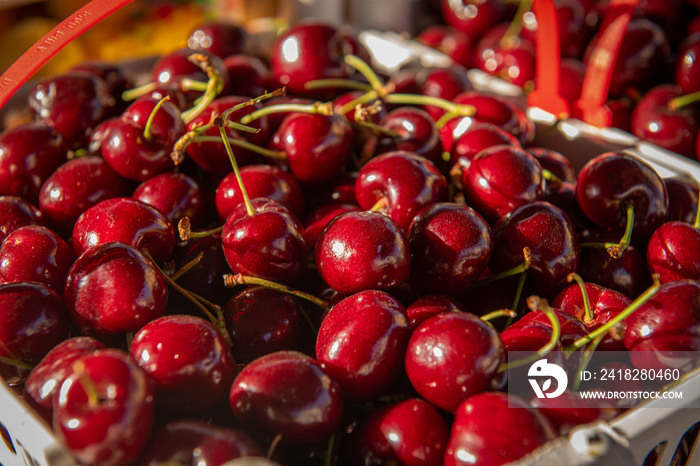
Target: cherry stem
148, 129
324, 108
518, 269
518, 295
381, 205
587, 314
375, 128
184, 228
16, 363
516, 25
232, 280
273, 445
180, 146
93, 395
365, 70
603, 329
552, 179
187, 84
586, 360
135, 93
337, 83
615, 250
329, 451
214, 86
187, 267
248, 205
363, 99
683, 100
536, 303
511, 314
269, 153
458, 110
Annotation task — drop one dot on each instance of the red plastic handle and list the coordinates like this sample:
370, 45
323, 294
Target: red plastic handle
591, 106
73, 26
547, 94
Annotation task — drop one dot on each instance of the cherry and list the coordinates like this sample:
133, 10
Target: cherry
114, 77
474, 18
247, 75
204, 278
129, 221
548, 233
477, 137
35, 254
73, 104
266, 241
289, 394
682, 199
451, 41
138, 145
614, 188
656, 119
512, 58
495, 428
416, 132
673, 252
312, 50
16, 212
104, 409
360, 251
183, 355
500, 179
33, 320
174, 68
317, 220
317, 145
175, 195
430, 305
687, 67
196, 442
261, 321
554, 162
442, 82
451, 357
44, 381
29, 154
403, 182
114, 288
451, 246
411, 432
361, 344
219, 38
75, 186
260, 181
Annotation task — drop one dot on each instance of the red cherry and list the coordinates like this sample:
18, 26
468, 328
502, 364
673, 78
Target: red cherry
361, 344
451, 357
15, 212
477, 137
682, 199
430, 305
175, 195
219, 38
673, 252
474, 18
687, 66
247, 75
451, 41
316, 221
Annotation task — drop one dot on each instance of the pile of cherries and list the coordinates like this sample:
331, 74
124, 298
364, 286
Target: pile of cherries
297, 259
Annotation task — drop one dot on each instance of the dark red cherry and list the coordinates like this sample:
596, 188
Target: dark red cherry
500, 179
317, 220
416, 131
219, 38
287, 393
444, 83
135, 154
534, 330
129, 221
75, 186
112, 289
247, 75
29, 154
361, 344
451, 357
114, 76
475, 138
682, 199
196, 442
449, 40
73, 104
340, 190
512, 59
317, 146
172, 68
184, 357
491, 429
362, 250
474, 18
687, 66
260, 181
673, 252
16, 212
35, 254
547, 231
403, 182
33, 320
412, 432
555, 162
261, 321
107, 422
175, 195
205, 278
312, 50
268, 244
44, 381
655, 120
450, 248
610, 182
430, 305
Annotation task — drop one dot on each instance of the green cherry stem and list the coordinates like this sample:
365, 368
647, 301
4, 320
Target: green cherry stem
338, 83
187, 267
93, 395
184, 229
603, 329
243, 144
696, 224
683, 100
498, 313
232, 280
365, 70
586, 360
148, 129
135, 93
516, 25
16, 363
587, 313
553, 181
324, 108
616, 249
248, 205
214, 86
518, 269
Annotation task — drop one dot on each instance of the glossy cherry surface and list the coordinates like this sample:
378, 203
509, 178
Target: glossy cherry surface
184, 356
219, 38
362, 250
113, 288
430, 305
687, 66
477, 137
16, 212
175, 195
290, 394
451, 357
473, 18
448, 40
682, 199
416, 131
317, 220
361, 343
673, 252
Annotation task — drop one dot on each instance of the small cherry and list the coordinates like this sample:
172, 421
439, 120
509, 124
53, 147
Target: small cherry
219, 38
430, 305
449, 40
317, 220
175, 195
16, 212
477, 137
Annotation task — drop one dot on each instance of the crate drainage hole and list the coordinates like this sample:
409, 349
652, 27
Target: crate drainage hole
5, 434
